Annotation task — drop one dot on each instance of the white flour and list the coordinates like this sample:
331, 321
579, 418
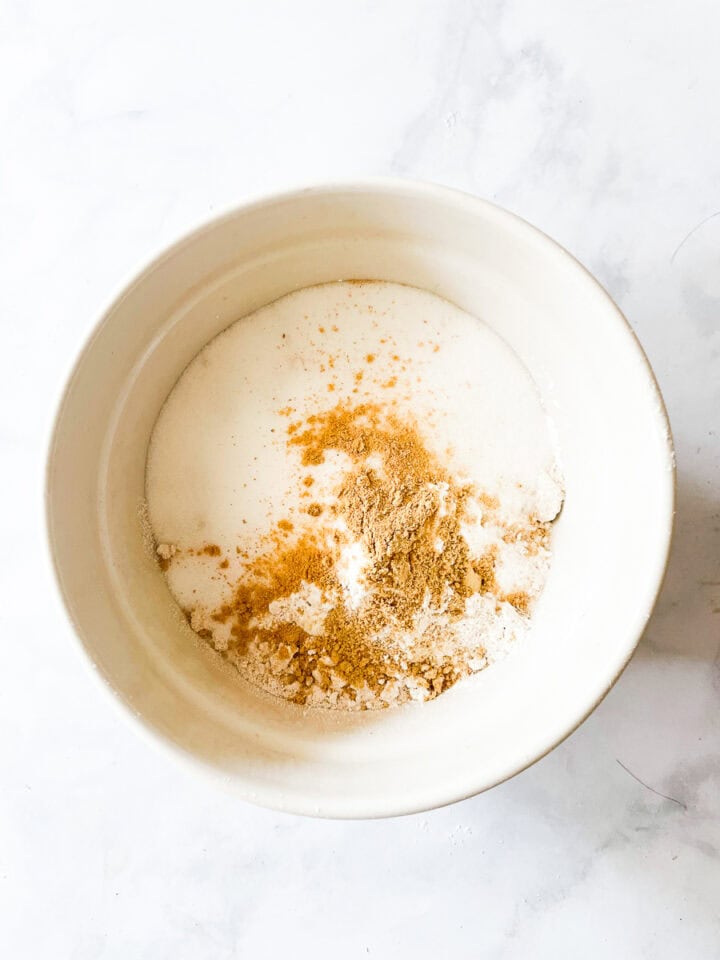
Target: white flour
220, 472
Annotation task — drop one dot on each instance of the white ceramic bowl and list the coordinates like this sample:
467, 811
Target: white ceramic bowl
610, 543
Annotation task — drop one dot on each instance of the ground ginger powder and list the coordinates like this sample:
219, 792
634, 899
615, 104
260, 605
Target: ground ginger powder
403, 510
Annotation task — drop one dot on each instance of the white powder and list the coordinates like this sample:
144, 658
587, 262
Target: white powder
220, 472
353, 563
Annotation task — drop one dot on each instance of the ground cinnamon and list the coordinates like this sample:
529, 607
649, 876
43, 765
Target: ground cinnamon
405, 510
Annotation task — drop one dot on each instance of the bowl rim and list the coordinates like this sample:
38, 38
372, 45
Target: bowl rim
275, 798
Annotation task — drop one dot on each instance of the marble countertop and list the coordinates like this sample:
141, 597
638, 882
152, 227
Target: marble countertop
123, 125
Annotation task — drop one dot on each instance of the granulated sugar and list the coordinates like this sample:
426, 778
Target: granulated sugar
351, 492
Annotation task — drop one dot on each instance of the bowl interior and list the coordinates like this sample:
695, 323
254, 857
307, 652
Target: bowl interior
610, 543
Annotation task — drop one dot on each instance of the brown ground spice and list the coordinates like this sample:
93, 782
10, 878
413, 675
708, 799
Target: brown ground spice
407, 515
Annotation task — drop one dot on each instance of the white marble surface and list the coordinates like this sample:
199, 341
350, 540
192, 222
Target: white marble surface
123, 125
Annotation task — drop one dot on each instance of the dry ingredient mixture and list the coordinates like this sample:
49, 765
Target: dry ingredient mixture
299, 624
391, 578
